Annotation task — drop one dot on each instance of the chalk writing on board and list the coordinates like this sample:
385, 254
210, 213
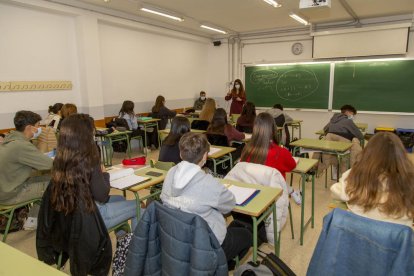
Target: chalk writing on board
296, 84
264, 78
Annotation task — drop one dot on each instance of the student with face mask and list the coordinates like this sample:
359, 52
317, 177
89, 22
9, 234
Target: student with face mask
199, 103
238, 97
18, 158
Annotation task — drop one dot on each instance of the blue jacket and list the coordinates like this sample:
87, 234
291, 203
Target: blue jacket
171, 242
353, 245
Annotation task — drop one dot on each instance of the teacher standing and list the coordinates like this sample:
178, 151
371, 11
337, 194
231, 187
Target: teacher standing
238, 97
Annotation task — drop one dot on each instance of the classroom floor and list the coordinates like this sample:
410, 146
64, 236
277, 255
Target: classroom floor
295, 256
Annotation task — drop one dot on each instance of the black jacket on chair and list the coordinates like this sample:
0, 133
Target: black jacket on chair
80, 236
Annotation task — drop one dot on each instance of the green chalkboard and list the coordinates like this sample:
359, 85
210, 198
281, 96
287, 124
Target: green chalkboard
375, 85
296, 86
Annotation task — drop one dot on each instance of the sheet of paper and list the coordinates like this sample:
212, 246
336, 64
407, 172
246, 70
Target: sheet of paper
296, 159
213, 150
241, 193
117, 173
247, 136
127, 181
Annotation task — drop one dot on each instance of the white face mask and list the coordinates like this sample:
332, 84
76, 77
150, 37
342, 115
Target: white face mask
237, 86
37, 133
351, 117
202, 98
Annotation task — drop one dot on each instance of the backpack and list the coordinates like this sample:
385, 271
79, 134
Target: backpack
271, 265
19, 217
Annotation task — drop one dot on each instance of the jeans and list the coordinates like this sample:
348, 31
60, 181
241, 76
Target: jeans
117, 210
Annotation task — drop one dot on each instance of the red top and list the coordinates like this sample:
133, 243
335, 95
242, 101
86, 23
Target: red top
236, 106
280, 159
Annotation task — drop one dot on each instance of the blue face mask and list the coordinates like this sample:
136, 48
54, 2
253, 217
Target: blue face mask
38, 132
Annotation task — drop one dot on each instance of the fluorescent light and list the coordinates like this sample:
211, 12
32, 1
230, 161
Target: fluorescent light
213, 29
273, 3
150, 10
298, 18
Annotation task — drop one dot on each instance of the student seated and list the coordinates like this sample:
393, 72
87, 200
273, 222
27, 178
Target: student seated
246, 119
380, 185
77, 173
127, 113
18, 158
170, 151
342, 128
67, 110
220, 125
207, 112
199, 103
54, 116
264, 149
190, 189
160, 111
281, 118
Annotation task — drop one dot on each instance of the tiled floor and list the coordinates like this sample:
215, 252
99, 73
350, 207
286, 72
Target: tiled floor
294, 255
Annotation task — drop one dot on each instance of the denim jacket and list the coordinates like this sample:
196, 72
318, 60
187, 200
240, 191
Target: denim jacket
353, 245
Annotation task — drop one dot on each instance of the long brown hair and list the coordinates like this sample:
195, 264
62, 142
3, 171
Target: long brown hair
242, 93
179, 126
159, 102
384, 167
264, 132
218, 122
68, 109
249, 112
208, 110
76, 157
127, 108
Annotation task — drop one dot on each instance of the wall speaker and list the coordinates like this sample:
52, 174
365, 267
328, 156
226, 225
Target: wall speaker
217, 43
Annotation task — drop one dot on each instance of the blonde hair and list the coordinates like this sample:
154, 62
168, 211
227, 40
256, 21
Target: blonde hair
208, 110
384, 168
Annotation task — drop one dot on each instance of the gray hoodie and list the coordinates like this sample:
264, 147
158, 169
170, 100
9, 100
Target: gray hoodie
276, 112
342, 126
191, 190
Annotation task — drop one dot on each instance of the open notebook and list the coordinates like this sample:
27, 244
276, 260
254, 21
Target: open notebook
243, 195
124, 178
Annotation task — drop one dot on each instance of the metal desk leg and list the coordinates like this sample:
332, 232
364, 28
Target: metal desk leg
111, 151
313, 201
138, 201
145, 135
128, 145
254, 239
276, 237
302, 215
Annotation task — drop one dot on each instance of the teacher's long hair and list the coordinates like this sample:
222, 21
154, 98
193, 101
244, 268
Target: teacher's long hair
242, 93
264, 132
76, 157
383, 177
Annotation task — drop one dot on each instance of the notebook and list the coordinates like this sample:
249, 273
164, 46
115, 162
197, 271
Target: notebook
124, 178
243, 195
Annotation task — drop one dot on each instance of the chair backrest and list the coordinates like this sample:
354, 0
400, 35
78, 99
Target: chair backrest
280, 120
161, 165
200, 124
245, 129
353, 245
218, 140
234, 117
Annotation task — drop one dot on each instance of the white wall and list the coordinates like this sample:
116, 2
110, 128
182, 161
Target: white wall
36, 46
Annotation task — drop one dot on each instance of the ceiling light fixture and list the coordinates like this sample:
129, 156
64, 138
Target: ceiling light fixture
298, 18
273, 3
213, 29
162, 13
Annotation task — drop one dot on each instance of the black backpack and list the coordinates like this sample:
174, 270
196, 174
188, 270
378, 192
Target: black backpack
270, 265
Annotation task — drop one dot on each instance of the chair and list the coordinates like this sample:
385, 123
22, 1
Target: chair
220, 140
8, 212
200, 124
353, 245
245, 129
280, 121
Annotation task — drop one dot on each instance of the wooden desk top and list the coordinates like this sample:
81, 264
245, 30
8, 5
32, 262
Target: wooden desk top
15, 262
294, 122
260, 202
167, 131
411, 157
118, 133
154, 180
322, 145
362, 126
153, 120
223, 151
304, 165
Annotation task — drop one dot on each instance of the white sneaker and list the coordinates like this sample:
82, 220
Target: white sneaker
297, 197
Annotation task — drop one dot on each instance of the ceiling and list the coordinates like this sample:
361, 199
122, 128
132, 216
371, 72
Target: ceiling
249, 16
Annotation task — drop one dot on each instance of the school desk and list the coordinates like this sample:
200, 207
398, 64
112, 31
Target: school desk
362, 127
303, 168
147, 124
259, 208
154, 180
340, 149
105, 144
15, 262
295, 124
221, 156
